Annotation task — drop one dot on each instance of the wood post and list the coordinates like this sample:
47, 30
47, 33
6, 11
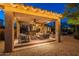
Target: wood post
9, 31
29, 34
58, 30
18, 29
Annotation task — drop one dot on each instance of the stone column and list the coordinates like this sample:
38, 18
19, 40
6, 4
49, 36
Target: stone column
9, 31
57, 30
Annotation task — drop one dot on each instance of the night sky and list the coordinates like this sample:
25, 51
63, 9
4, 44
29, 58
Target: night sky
55, 7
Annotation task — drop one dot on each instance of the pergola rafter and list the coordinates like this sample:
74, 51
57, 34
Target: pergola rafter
30, 10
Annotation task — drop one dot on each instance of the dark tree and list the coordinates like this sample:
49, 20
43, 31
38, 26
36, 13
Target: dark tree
72, 13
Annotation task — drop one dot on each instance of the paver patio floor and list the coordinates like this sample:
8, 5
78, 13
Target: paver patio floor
68, 47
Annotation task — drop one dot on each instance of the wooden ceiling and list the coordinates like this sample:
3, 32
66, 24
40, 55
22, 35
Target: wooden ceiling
31, 18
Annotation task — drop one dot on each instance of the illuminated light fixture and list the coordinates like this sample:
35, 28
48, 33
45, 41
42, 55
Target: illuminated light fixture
38, 10
56, 14
32, 8
42, 11
29, 9
51, 12
11, 4
25, 8
35, 10
46, 11
14, 6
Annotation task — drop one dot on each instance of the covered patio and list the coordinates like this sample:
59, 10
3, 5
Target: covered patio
31, 18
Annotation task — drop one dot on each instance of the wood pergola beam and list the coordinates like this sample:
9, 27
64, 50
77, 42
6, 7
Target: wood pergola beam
30, 10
